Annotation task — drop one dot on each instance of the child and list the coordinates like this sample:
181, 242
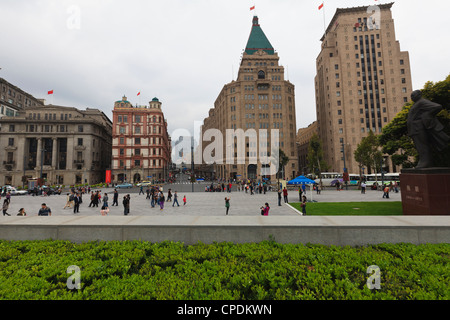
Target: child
184, 200
303, 205
104, 210
5, 207
227, 204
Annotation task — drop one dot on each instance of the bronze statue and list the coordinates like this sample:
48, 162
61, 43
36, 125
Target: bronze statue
425, 129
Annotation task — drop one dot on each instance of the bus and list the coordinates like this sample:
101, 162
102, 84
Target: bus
354, 179
387, 179
328, 178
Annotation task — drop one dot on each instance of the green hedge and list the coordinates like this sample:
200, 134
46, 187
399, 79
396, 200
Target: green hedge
266, 270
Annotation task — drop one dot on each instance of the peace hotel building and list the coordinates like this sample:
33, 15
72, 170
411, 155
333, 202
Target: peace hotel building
363, 80
260, 98
64, 144
141, 143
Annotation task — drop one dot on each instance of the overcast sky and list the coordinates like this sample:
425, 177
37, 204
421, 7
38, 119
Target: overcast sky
91, 53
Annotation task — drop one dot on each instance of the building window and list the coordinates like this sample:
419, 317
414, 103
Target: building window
137, 152
137, 118
12, 128
80, 128
261, 75
137, 163
121, 152
137, 140
10, 141
121, 140
80, 141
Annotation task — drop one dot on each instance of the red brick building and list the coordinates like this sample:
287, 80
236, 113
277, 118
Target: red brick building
141, 144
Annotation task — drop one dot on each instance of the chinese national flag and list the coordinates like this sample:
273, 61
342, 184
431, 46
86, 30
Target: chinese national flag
139, 93
252, 8
50, 92
321, 6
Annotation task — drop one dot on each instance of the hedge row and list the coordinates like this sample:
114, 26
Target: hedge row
266, 270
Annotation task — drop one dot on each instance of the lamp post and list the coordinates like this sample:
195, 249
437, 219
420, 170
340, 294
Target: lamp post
192, 163
42, 163
345, 168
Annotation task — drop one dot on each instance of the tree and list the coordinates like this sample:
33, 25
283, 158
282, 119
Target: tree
283, 161
316, 163
367, 153
395, 140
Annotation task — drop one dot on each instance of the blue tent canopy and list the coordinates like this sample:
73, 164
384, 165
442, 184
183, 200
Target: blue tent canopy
301, 180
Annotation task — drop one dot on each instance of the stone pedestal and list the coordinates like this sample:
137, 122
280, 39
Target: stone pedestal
425, 191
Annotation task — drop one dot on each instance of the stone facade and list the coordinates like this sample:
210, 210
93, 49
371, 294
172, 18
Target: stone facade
13, 99
260, 98
363, 80
303, 137
66, 145
141, 143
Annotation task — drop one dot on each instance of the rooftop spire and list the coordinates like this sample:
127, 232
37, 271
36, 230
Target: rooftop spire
258, 40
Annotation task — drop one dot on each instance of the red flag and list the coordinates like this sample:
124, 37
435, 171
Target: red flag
321, 6
139, 93
50, 92
252, 8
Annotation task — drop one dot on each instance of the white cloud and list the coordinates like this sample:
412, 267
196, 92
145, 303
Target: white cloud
184, 51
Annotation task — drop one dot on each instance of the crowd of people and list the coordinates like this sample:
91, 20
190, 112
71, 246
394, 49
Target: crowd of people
157, 198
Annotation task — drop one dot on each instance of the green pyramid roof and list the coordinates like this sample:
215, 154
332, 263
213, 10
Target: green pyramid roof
258, 40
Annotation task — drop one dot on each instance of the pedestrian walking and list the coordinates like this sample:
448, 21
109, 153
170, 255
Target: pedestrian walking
169, 195
162, 199
363, 187
303, 205
386, 192
126, 205
175, 199
141, 190
279, 197
285, 195
76, 203
69, 201
105, 200
227, 204
92, 199
115, 198
5, 207
184, 200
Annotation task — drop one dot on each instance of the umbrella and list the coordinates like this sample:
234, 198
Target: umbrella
303, 180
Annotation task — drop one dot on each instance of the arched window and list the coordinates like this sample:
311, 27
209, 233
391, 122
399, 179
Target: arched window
261, 75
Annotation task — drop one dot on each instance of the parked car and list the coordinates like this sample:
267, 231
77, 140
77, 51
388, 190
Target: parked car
144, 183
49, 191
14, 192
124, 185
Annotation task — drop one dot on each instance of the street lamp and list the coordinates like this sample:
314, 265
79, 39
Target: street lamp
42, 162
345, 168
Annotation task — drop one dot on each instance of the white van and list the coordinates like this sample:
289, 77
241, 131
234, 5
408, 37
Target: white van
14, 191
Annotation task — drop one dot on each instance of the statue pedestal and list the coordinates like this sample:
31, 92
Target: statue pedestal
425, 191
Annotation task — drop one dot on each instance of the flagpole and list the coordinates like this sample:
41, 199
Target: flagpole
324, 23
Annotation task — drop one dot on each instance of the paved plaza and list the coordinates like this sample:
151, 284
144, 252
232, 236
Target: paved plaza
198, 203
